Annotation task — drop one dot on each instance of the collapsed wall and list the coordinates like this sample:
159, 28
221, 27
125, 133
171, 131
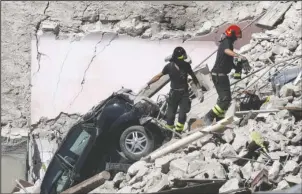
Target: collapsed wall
154, 20
23, 21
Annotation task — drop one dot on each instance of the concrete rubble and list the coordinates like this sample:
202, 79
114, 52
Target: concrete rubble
280, 129
210, 159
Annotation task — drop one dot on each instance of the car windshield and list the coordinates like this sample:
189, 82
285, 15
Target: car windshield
62, 168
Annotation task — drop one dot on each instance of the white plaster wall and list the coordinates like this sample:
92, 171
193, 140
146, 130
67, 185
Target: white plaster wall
125, 61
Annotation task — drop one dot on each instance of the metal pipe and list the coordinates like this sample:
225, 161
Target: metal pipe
256, 111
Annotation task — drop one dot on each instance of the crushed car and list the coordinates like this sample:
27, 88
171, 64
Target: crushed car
111, 136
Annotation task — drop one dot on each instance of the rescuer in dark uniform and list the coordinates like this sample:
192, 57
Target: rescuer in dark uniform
223, 65
178, 68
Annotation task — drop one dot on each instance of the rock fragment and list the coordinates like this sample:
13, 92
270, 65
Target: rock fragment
134, 168
293, 179
228, 135
164, 162
247, 171
230, 185
274, 171
290, 166
282, 185
179, 164
205, 29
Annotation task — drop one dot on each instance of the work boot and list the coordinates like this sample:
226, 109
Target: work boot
208, 118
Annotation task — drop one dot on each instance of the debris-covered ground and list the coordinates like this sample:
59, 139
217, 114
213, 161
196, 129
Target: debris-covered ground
215, 156
222, 156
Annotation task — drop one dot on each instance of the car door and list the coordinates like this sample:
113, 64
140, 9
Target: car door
62, 171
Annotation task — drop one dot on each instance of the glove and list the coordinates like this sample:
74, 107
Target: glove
246, 66
237, 75
200, 95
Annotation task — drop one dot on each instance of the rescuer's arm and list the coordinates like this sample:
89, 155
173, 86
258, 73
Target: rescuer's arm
155, 78
233, 54
158, 76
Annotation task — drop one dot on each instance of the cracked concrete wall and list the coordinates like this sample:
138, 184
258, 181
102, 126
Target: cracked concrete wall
21, 22
73, 76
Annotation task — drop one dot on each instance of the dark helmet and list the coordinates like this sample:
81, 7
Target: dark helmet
179, 53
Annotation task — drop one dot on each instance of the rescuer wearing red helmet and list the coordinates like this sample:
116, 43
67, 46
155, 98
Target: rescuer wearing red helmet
178, 69
223, 65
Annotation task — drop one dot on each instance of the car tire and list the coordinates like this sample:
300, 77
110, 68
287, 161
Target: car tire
135, 150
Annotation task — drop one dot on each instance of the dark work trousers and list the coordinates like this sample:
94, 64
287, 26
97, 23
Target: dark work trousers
178, 98
223, 88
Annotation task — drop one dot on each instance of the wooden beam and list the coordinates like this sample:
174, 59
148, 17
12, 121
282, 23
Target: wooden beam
89, 184
274, 15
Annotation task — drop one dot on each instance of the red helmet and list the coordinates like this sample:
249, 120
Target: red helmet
233, 30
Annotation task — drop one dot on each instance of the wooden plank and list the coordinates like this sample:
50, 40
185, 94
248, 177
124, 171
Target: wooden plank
89, 184
155, 87
274, 15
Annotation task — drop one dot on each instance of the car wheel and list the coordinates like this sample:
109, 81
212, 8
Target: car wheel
136, 142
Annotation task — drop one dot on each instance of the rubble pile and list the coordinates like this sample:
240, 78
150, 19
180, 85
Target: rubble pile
216, 157
226, 155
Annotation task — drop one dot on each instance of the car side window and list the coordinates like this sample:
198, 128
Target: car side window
80, 143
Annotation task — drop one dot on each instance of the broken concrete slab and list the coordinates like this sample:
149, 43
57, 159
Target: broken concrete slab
246, 171
205, 29
297, 139
240, 142
286, 91
164, 162
294, 150
196, 165
228, 135
293, 179
226, 151
118, 179
159, 185
290, 166
273, 173
126, 189
195, 155
179, 164
134, 168
139, 176
230, 185
282, 185
107, 187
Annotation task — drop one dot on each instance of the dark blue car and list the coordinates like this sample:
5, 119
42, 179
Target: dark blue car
113, 135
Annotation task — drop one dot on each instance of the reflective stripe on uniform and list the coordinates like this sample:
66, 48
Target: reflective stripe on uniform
218, 111
179, 126
267, 99
237, 74
170, 126
181, 57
